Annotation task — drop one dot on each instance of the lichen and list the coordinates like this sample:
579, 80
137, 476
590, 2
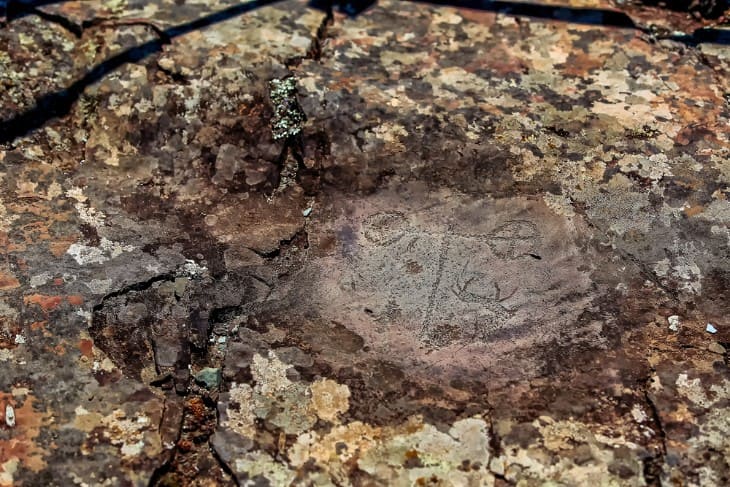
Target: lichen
288, 117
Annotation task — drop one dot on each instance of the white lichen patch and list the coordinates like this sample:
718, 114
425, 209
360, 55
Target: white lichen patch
576, 455
107, 250
277, 399
429, 454
661, 268
638, 414
193, 269
654, 167
682, 267
133, 449
401, 455
77, 194
690, 275
242, 418
693, 390
262, 465
560, 204
395, 455
40, 279
673, 322
128, 433
90, 215
99, 286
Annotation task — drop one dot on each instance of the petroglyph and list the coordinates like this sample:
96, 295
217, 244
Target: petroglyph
454, 273
458, 287
457, 272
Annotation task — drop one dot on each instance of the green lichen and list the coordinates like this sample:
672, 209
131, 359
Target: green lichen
288, 114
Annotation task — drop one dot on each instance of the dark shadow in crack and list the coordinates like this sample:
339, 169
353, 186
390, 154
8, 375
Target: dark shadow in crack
59, 103
14, 10
585, 16
709, 9
566, 13
589, 16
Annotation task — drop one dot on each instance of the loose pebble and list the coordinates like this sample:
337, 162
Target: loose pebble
673, 322
10, 416
209, 377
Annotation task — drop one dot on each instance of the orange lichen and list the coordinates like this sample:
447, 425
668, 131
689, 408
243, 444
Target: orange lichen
38, 325
86, 347
61, 244
487, 19
694, 210
21, 448
46, 303
581, 63
197, 408
8, 281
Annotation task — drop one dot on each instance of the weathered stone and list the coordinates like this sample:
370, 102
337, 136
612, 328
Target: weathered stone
715, 347
420, 244
209, 377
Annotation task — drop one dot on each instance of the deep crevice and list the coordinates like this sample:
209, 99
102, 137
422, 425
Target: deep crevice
653, 465
161, 470
18, 10
135, 287
300, 234
223, 465
316, 47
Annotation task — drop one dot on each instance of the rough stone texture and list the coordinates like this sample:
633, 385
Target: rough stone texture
421, 245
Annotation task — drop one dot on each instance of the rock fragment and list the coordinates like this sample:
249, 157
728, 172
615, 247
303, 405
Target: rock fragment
10, 416
209, 377
673, 322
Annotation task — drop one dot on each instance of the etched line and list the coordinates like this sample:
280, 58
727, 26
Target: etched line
443, 251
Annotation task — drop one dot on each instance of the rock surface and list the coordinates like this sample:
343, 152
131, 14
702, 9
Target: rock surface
253, 244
